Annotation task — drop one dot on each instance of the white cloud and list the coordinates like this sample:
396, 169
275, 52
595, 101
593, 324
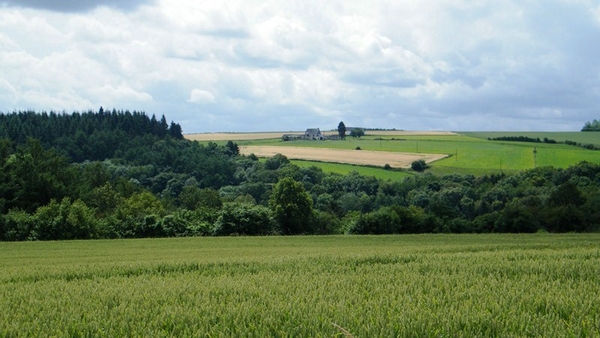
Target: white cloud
226, 19
201, 96
6, 43
120, 93
596, 14
8, 93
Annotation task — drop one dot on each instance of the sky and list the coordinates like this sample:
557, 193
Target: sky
282, 65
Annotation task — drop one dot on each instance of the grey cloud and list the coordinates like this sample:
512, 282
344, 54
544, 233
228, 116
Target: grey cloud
72, 6
382, 77
459, 75
253, 117
241, 56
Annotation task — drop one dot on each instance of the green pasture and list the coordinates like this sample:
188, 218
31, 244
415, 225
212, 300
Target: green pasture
471, 152
580, 137
344, 169
372, 286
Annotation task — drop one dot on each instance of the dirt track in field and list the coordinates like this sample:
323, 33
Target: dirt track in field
361, 157
270, 135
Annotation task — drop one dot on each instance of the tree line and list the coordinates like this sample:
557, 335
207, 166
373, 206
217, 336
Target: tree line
591, 126
588, 146
522, 139
89, 135
158, 185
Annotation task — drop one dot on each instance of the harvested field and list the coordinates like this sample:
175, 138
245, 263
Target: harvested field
407, 133
279, 134
235, 136
360, 157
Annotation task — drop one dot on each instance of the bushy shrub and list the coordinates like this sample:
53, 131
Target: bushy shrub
17, 225
244, 219
382, 221
419, 165
325, 223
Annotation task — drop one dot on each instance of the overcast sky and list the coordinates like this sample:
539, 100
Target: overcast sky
262, 65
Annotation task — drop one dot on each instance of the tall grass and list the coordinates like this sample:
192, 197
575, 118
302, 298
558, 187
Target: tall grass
371, 286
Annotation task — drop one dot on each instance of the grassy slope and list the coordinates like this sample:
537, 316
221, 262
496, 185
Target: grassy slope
346, 168
373, 286
580, 137
471, 152
470, 155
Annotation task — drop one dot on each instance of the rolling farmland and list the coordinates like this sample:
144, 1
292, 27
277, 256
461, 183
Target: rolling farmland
277, 135
582, 137
371, 286
361, 157
466, 153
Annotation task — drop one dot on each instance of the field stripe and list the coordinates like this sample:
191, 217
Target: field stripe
360, 157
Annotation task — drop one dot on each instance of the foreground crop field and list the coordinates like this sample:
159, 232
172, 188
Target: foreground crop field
374, 286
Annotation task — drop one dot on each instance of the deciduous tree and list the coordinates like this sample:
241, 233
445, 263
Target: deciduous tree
291, 206
357, 133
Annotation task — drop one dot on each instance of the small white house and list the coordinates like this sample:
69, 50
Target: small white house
313, 134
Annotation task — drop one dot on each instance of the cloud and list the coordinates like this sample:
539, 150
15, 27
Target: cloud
121, 93
201, 96
7, 92
448, 64
75, 5
596, 14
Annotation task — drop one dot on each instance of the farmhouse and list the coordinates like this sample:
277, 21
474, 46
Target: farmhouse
313, 134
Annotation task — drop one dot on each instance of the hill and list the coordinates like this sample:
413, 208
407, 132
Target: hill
160, 185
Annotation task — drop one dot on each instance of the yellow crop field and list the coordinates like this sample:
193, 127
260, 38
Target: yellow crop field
360, 157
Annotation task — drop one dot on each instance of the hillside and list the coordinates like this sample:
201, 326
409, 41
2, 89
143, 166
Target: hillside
155, 184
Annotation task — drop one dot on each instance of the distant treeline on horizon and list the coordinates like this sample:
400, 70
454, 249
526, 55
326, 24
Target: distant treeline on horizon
591, 126
84, 136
